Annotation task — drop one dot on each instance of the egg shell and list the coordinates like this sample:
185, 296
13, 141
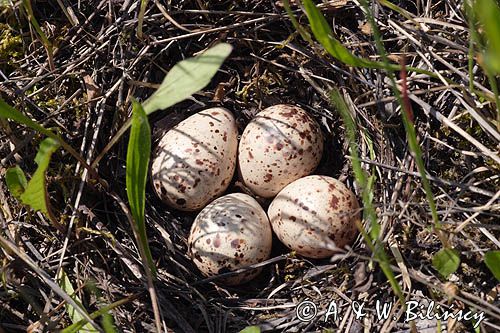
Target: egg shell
230, 233
195, 161
281, 144
310, 213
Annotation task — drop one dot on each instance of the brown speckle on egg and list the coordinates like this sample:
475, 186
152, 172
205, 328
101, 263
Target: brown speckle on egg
241, 236
312, 223
182, 173
292, 138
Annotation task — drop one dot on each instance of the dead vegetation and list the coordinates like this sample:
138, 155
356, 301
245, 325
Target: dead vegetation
99, 64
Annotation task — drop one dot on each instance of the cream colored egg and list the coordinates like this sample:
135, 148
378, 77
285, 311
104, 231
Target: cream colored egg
281, 144
195, 161
313, 214
230, 233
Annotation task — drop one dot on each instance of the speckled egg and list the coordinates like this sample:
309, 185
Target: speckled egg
195, 161
314, 214
230, 233
281, 144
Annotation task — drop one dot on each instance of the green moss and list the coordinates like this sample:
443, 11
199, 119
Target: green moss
80, 108
10, 45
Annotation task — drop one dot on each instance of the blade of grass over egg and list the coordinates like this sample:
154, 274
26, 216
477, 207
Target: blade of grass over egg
183, 80
187, 77
366, 184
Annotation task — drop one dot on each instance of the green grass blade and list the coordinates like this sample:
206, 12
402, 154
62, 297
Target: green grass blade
406, 111
35, 194
73, 314
74, 328
187, 77
446, 258
107, 320
108, 323
417, 155
446, 261
251, 329
8, 112
16, 181
488, 14
484, 12
34, 22
473, 39
45, 41
140, 19
303, 32
366, 183
324, 34
492, 261
139, 150
407, 15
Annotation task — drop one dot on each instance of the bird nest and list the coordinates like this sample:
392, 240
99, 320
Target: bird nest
85, 91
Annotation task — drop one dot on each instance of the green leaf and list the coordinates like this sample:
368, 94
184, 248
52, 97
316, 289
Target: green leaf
187, 77
446, 261
488, 12
251, 329
107, 320
108, 323
492, 261
35, 194
139, 149
8, 112
73, 314
76, 327
16, 181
